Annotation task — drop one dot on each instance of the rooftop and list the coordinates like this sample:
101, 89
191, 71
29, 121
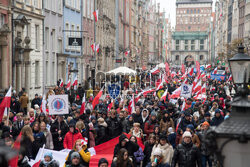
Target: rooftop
192, 1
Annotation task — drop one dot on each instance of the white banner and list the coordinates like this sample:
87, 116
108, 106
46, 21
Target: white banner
186, 90
58, 104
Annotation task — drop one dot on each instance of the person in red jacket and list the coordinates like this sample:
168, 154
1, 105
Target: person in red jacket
71, 137
150, 124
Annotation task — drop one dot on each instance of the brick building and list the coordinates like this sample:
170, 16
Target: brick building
191, 37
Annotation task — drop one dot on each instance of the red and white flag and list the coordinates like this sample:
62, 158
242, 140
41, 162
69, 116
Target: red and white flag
82, 110
155, 70
96, 13
197, 87
167, 68
164, 96
191, 72
131, 106
145, 92
110, 105
138, 96
127, 52
198, 67
183, 105
5, 103
173, 74
95, 47
61, 83
230, 78
75, 82
96, 99
182, 69
14, 161
208, 66
215, 71
176, 93
68, 85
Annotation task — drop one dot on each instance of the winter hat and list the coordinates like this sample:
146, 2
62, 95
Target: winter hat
36, 106
77, 96
207, 114
187, 134
205, 123
75, 155
196, 114
48, 154
187, 113
158, 152
92, 118
153, 114
190, 126
217, 111
103, 161
170, 130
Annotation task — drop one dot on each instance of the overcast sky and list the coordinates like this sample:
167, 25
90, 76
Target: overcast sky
169, 6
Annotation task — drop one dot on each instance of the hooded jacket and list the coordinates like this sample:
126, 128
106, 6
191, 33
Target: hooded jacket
102, 133
167, 152
130, 146
70, 139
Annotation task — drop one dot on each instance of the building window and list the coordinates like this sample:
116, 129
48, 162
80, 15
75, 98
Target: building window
59, 6
36, 4
53, 73
177, 44
192, 44
201, 57
37, 36
46, 38
37, 73
188, 11
59, 48
194, 19
198, 10
2, 20
177, 57
191, 11
194, 10
47, 73
27, 2
201, 44
53, 39
186, 44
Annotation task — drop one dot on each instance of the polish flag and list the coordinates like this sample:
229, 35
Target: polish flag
68, 85
197, 87
164, 96
208, 66
184, 76
127, 52
202, 75
176, 93
75, 82
208, 75
13, 162
147, 92
61, 83
167, 68
183, 105
191, 72
197, 67
230, 78
5, 104
96, 99
203, 89
138, 97
82, 110
97, 48
215, 71
155, 70
110, 105
195, 82
131, 106
37, 164
173, 74
95, 13
186, 81
43, 105
182, 69
93, 47
160, 86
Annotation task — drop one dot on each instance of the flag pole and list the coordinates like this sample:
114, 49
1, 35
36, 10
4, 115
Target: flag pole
8, 116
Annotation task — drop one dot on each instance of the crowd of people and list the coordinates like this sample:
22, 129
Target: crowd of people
170, 132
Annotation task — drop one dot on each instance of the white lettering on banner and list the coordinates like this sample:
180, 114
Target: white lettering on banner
58, 105
186, 90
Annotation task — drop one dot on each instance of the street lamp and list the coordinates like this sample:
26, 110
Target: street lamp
230, 140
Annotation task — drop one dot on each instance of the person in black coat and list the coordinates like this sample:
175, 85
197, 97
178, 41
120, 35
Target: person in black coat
114, 125
148, 149
58, 130
10, 129
39, 139
101, 132
36, 100
128, 145
218, 119
186, 121
15, 105
23, 161
186, 154
137, 117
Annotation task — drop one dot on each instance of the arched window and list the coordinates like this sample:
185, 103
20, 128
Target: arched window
201, 57
177, 57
